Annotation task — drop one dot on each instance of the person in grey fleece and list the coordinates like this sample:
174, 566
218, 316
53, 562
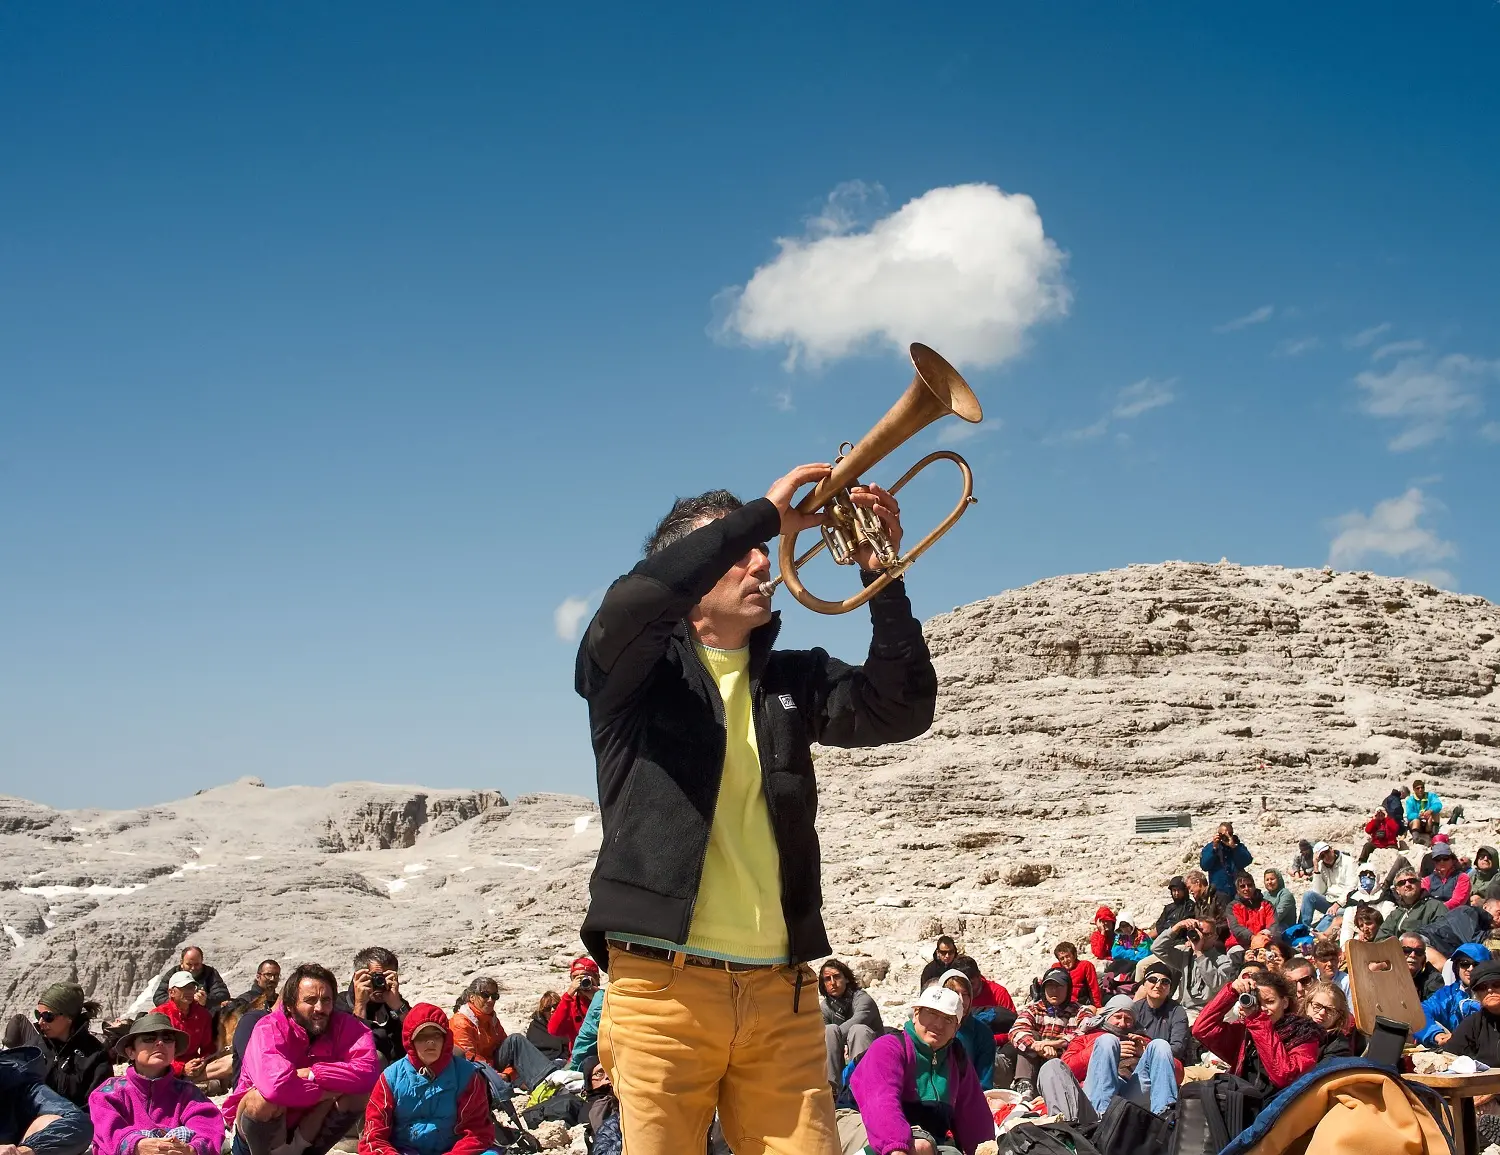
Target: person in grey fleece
1195, 950
851, 1018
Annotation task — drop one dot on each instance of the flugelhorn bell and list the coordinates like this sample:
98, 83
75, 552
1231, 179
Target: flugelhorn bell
936, 390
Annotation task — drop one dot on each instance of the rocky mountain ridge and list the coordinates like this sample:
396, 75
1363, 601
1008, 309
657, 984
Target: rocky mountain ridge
1287, 700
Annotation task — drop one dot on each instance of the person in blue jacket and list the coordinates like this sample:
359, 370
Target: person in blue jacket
1449, 1006
33, 1116
1223, 858
1424, 809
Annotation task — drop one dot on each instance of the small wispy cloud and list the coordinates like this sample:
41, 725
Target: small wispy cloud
1367, 336
958, 432
1254, 317
1396, 348
1130, 402
1394, 529
1425, 395
1490, 431
1296, 346
568, 617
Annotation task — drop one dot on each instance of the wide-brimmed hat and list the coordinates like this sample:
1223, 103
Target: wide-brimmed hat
150, 1024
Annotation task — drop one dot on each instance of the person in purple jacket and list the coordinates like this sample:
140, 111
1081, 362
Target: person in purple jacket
148, 1110
916, 1093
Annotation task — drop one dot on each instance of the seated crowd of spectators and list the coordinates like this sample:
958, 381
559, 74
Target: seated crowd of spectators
1236, 966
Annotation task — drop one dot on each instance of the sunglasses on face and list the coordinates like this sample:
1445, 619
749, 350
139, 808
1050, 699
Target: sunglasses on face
486, 996
153, 1037
1405, 882
43, 1016
1155, 981
1308, 980
1413, 951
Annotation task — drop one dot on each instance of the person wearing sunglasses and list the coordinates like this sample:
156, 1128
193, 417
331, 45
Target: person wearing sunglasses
479, 1037
148, 1110
1478, 1036
1428, 978
76, 1061
1159, 1016
1456, 1001
1414, 908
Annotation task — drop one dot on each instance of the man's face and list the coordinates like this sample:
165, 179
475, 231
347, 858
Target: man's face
1489, 996
1484, 861
1244, 888
182, 997
1419, 790
1414, 951
1197, 887
1067, 959
268, 977
429, 1046
192, 960
1226, 831
1054, 994
314, 1006
833, 982
933, 1027
1120, 1021
1463, 967
736, 598
1408, 890
1328, 857
946, 953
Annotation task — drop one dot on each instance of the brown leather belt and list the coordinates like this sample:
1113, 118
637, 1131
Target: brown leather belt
690, 959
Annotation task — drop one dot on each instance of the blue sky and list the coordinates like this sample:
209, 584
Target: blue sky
339, 346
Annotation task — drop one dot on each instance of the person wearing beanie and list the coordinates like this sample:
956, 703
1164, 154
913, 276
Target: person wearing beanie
1044, 1028
148, 1110
1160, 1016
76, 1061
948, 1107
1084, 974
1108, 1058
1102, 940
1179, 908
583, 984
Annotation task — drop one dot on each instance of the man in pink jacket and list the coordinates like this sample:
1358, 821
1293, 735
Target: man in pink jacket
308, 1072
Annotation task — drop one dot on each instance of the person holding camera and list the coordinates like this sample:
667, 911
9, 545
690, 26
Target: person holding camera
1194, 948
374, 997
1264, 1041
583, 984
1223, 858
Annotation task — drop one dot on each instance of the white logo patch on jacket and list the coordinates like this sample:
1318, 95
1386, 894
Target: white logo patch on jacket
786, 702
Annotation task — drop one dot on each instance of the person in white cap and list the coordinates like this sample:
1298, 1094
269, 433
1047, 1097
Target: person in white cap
949, 1114
1335, 874
196, 1024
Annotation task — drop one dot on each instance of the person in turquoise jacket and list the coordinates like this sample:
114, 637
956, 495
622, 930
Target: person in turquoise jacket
1424, 809
587, 1042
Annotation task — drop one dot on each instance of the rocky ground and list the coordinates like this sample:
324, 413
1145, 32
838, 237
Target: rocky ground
1287, 700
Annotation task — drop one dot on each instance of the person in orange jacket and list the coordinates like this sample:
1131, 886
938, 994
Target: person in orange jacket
507, 1061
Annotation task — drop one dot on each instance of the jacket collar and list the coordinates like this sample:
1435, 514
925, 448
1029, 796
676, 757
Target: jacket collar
762, 638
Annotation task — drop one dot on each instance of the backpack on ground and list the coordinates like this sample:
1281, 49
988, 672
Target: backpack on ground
1046, 1139
1130, 1129
1212, 1112
1350, 1107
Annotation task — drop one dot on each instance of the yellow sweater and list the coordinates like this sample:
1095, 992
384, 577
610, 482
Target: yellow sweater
738, 913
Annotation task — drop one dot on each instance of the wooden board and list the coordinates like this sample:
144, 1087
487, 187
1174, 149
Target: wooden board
1381, 985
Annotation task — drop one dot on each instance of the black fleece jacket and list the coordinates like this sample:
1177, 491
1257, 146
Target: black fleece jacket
657, 725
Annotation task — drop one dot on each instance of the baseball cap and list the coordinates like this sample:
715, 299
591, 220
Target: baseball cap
1319, 848
1440, 850
941, 1000
181, 979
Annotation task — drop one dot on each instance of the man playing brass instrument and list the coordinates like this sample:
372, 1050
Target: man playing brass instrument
706, 899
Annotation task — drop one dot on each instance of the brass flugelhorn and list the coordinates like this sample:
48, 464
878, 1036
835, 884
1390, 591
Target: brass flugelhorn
936, 390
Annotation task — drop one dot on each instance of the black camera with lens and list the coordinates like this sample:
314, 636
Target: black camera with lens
377, 981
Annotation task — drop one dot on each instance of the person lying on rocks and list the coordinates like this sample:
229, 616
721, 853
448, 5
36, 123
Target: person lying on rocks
1381, 833
554, 1048
1454, 1002
1252, 919
76, 1061
1102, 938
430, 1101
1414, 908
1223, 858
1447, 883
35, 1119
1478, 921
1326, 1005
1194, 949
1271, 1046
1336, 874
1084, 974
186, 1014
1180, 906
948, 1114
374, 998
1208, 904
262, 995
149, 1110
573, 1007
1302, 865
1160, 1016
507, 1061
1108, 1058
212, 992
946, 950
851, 1018
1280, 896
973, 1035
308, 1071
1424, 810
1043, 1029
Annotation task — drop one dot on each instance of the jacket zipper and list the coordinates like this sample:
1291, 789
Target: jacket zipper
718, 708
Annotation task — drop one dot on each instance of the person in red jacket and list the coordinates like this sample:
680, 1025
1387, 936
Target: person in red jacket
431, 1102
1382, 834
569, 1014
192, 1020
1252, 919
991, 1001
1102, 941
1085, 975
1271, 1046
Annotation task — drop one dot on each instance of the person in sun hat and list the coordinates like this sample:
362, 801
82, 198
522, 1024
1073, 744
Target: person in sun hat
430, 1101
149, 1110
77, 1062
949, 1112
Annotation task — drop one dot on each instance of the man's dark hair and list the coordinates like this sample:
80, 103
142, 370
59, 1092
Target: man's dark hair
265, 962
969, 969
945, 940
376, 954
843, 968
1065, 945
187, 948
685, 514
305, 971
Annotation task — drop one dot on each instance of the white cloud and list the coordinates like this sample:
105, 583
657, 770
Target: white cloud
1130, 402
1393, 529
1425, 395
568, 617
957, 432
1395, 348
1442, 578
1367, 336
967, 269
1296, 346
1254, 317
